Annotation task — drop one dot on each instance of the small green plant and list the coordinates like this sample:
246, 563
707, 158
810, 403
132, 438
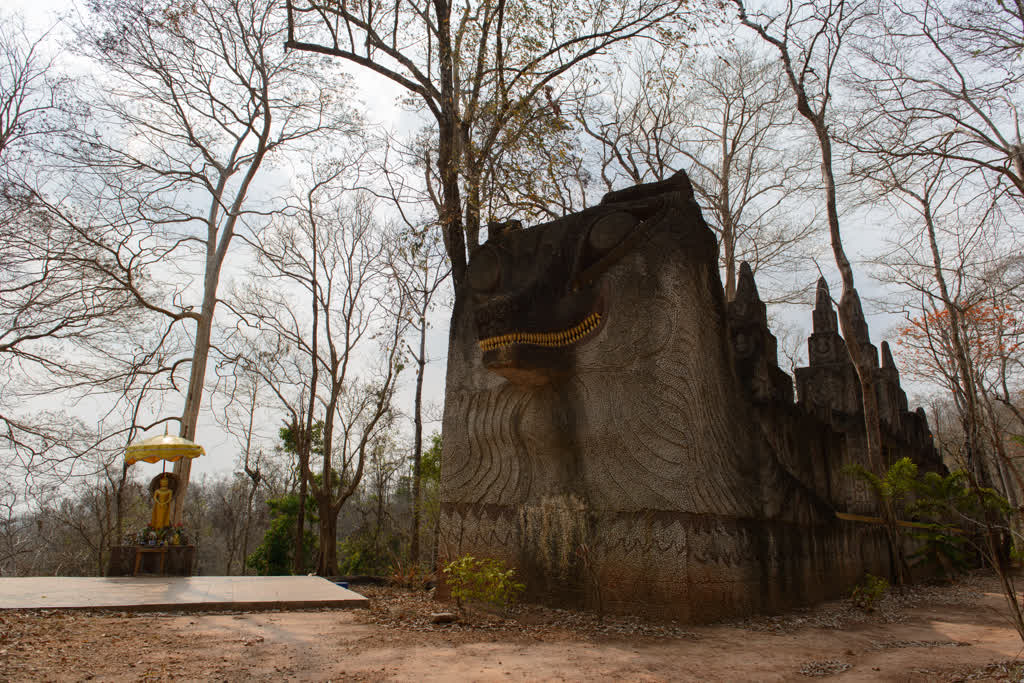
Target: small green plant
867, 594
891, 490
473, 580
941, 550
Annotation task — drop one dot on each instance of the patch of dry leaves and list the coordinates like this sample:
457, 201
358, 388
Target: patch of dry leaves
36, 643
409, 610
891, 609
822, 668
1010, 671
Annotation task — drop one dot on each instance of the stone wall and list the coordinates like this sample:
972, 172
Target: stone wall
627, 440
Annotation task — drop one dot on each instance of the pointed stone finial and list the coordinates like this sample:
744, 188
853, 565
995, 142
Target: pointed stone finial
887, 361
746, 305
824, 315
746, 288
823, 299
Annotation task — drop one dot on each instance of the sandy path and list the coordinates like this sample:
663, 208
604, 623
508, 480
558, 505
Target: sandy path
938, 639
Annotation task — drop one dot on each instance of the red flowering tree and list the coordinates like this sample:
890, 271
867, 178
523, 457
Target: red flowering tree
992, 336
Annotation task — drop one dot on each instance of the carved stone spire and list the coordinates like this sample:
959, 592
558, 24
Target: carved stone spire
745, 285
887, 362
830, 382
892, 403
747, 304
825, 346
754, 346
824, 315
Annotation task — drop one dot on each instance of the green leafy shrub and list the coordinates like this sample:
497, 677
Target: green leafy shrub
362, 553
894, 484
867, 594
473, 580
941, 550
273, 557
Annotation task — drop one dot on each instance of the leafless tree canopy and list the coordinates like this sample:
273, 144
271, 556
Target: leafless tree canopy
729, 121
483, 72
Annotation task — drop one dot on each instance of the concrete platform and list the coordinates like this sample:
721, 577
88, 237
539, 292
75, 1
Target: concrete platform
160, 593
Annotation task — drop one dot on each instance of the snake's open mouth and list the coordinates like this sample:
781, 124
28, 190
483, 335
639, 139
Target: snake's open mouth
544, 339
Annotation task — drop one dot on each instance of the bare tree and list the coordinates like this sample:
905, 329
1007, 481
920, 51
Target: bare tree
938, 135
198, 97
331, 376
417, 258
239, 416
53, 301
475, 69
16, 539
29, 89
943, 217
937, 82
729, 121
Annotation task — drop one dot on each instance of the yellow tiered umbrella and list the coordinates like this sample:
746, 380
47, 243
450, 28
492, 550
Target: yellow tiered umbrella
166, 448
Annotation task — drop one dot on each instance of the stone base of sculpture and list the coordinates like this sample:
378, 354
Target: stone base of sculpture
165, 560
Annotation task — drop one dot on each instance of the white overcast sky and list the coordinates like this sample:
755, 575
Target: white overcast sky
378, 98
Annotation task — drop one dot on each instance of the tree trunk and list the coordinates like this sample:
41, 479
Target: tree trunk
314, 355
299, 550
194, 396
855, 334
970, 394
417, 442
729, 254
119, 504
255, 479
472, 222
328, 560
217, 242
448, 157
725, 214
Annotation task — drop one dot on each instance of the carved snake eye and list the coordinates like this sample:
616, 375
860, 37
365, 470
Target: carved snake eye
484, 270
609, 230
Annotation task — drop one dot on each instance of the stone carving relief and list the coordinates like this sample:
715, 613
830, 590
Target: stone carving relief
601, 392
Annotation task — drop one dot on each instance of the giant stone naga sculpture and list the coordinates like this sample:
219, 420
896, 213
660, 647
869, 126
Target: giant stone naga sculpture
626, 439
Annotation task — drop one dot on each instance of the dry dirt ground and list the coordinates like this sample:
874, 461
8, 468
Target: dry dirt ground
947, 633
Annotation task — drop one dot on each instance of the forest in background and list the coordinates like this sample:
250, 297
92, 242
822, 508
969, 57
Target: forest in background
200, 223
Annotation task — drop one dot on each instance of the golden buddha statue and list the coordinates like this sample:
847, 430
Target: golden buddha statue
162, 498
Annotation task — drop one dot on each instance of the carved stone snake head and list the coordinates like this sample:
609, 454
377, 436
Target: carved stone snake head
539, 295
